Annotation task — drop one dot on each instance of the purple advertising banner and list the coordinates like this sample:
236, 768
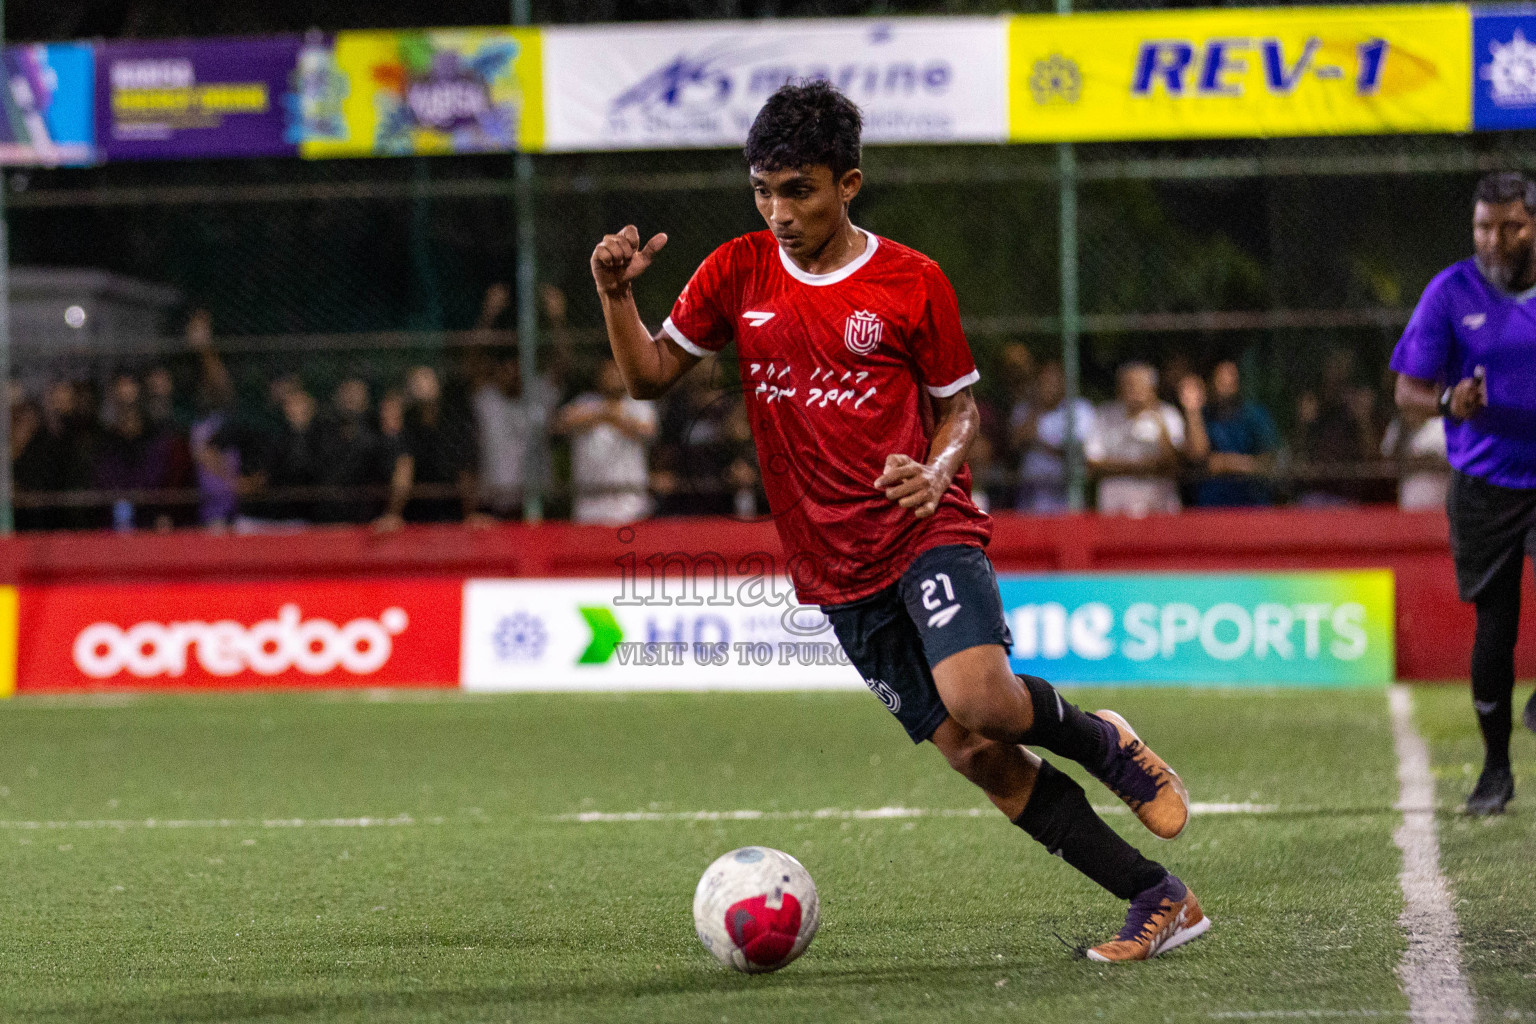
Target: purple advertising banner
188, 98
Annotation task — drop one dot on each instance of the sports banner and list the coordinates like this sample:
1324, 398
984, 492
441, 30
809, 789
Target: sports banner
428, 91
217, 635
1503, 69
1308, 628
190, 98
1240, 73
744, 634
1333, 628
47, 101
694, 85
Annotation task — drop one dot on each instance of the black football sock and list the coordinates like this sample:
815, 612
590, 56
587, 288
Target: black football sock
1493, 668
1063, 728
1059, 817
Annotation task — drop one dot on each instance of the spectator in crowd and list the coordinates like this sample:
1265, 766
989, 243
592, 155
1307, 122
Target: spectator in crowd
51, 453
430, 447
1176, 368
993, 450
393, 454
742, 476
1039, 435
160, 399
293, 461
1135, 446
354, 461
704, 462
1230, 438
511, 418
1336, 433
227, 452
1416, 443
130, 457
392, 417
610, 434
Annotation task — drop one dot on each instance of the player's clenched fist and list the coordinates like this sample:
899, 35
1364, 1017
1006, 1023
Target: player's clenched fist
619, 259
912, 484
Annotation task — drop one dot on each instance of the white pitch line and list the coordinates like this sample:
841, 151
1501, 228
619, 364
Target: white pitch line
1431, 967
1303, 1014
838, 814
121, 825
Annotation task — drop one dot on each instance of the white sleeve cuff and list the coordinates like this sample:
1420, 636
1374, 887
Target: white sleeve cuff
682, 340
954, 386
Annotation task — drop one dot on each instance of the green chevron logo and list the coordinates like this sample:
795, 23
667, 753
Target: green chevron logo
606, 634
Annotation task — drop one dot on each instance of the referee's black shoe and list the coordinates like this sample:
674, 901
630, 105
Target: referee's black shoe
1495, 788
1529, 718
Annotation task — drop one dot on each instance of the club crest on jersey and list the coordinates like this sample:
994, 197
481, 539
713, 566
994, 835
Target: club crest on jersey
862, 332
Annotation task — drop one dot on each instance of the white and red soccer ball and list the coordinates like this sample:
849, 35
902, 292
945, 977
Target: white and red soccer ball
756, 909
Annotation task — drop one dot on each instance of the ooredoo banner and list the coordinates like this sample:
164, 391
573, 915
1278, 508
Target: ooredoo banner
697, 85
185, 98
302, 634
1240, 73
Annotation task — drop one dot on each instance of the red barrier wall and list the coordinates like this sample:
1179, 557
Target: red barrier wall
1434, 630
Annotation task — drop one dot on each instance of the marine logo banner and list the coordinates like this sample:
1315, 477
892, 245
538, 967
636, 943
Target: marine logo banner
1240, 73
667, 86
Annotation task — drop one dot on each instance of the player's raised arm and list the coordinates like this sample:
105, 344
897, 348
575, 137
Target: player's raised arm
651, 363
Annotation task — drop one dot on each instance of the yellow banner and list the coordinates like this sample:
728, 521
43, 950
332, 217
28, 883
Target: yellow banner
10, 611
1230, 73
429, 91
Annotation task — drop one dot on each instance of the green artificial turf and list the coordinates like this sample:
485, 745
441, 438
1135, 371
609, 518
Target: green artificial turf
1490, 862
489, 905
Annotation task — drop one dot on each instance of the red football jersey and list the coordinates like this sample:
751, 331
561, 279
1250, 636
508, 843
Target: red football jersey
838, 369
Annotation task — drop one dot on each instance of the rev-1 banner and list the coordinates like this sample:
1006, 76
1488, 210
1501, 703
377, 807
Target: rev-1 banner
1241, 73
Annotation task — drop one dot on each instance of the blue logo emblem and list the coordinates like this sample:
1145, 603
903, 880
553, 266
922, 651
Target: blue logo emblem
1504, 89
519, 637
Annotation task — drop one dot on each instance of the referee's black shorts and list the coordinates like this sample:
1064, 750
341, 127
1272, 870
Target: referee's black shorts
1490, 527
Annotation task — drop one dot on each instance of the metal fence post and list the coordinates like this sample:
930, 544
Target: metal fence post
1071, 327
7, 511
528, 337
1071, 324
536, 460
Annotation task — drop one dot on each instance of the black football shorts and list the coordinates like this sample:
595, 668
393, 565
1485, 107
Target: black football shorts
1491, 526
946, 602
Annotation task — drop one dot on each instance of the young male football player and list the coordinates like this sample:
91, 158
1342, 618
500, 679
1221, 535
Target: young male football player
857, 378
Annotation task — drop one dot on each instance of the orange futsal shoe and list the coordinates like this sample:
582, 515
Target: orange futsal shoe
1144, 781
1164, 917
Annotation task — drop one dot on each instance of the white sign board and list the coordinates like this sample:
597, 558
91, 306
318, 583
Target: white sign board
592, 635
668, 86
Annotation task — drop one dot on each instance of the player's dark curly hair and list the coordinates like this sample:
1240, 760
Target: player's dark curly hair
805, 124
1502, 187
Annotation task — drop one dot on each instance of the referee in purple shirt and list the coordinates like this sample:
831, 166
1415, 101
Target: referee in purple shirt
1469, 354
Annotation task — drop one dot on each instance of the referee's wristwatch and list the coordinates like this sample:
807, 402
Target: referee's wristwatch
1445, 401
